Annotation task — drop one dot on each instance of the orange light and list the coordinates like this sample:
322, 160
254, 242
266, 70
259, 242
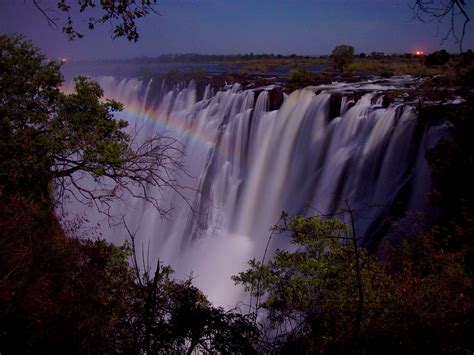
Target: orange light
419, 53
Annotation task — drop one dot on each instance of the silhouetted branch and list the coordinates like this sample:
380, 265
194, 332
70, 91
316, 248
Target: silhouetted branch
51, 22
438, 10
358, 270
148, 169
120, 14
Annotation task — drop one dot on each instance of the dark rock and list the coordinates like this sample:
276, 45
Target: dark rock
257, 92
335, 105
386, 101
352, 101
275, 98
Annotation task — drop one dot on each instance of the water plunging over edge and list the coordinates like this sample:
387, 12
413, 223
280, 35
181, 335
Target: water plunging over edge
247, 164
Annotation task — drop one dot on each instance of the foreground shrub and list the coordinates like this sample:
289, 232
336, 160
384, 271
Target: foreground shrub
327, 296
61, 294
440, 57
330, 296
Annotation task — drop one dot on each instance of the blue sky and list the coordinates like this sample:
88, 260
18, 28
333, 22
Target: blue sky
241, 26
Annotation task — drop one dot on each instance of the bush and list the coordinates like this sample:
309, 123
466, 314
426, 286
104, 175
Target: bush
297, 76
342, 56
440, 57
51, 141
330, 296
63, 294
467, 57
327, 296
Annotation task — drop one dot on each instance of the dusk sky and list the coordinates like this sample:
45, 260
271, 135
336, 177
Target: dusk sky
306, 27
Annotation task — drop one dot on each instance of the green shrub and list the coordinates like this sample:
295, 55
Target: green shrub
440, 57
342, 56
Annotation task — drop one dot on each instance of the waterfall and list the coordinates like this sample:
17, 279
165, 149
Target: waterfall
247, 164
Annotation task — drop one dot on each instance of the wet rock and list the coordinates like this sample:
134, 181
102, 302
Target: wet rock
352, 100
257, 93
275, 98
386, 101
335, 105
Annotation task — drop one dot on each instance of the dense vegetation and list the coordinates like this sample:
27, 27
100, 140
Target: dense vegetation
65, 292
342, 56
417, 296
61, 292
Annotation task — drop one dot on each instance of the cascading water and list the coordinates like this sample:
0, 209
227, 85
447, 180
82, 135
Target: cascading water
247, 164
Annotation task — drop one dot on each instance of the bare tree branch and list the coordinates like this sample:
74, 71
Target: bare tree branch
439, 10
51, 21
122, 15
147, 171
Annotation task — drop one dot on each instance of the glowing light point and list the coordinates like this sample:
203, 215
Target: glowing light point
419, 53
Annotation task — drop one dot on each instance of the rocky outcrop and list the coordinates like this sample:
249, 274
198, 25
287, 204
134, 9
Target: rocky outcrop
275, 98
386, 101
335, 105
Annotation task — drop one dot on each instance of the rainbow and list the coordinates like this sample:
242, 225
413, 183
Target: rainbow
164, 121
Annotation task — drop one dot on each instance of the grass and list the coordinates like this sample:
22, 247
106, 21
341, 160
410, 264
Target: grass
384, 66
388, 66
267, 65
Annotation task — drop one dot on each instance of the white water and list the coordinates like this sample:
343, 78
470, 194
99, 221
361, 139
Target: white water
247, 165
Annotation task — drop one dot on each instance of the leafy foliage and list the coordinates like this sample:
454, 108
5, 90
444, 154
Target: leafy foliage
311, 295
66, 294
436, 285
417, 298
342, 56
440, 57
50, 141
302, 77
61, 293
121, 14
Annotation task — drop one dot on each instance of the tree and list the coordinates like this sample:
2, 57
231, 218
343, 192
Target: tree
326, 296
440, 57
435, 282
51, 141
60, 293
439, 10
120, 14
416, 297
342, 56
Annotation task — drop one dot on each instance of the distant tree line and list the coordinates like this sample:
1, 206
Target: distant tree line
212, 58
